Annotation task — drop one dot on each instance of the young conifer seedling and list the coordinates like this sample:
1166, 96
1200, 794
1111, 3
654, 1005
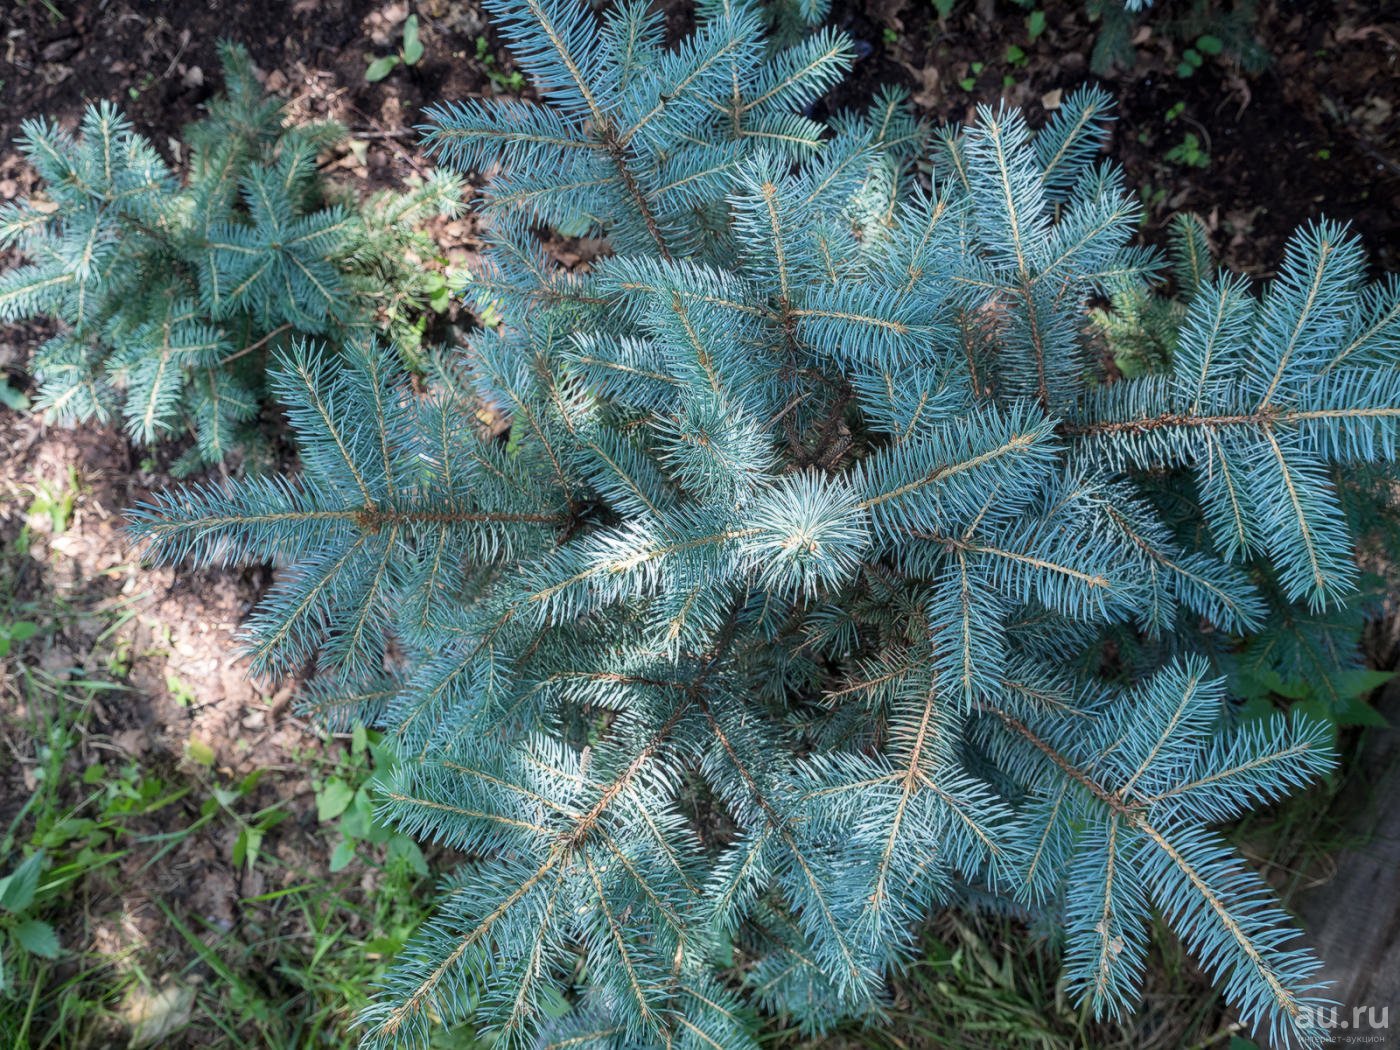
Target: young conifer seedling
170, 294
795, 601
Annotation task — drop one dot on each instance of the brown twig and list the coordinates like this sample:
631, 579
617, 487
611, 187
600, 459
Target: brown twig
254, 346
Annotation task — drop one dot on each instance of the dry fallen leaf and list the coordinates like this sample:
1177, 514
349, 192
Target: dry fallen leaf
928, 94
155, 1015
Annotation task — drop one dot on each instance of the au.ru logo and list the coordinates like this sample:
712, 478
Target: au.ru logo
1335, 1018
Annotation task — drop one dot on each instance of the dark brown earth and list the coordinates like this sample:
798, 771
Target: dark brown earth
1317, 132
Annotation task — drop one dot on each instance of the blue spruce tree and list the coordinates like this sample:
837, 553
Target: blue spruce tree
778, 615
170, 293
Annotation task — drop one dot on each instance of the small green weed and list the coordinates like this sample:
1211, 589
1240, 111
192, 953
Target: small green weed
409, 54
1189, 152
511, 83
1194, 57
